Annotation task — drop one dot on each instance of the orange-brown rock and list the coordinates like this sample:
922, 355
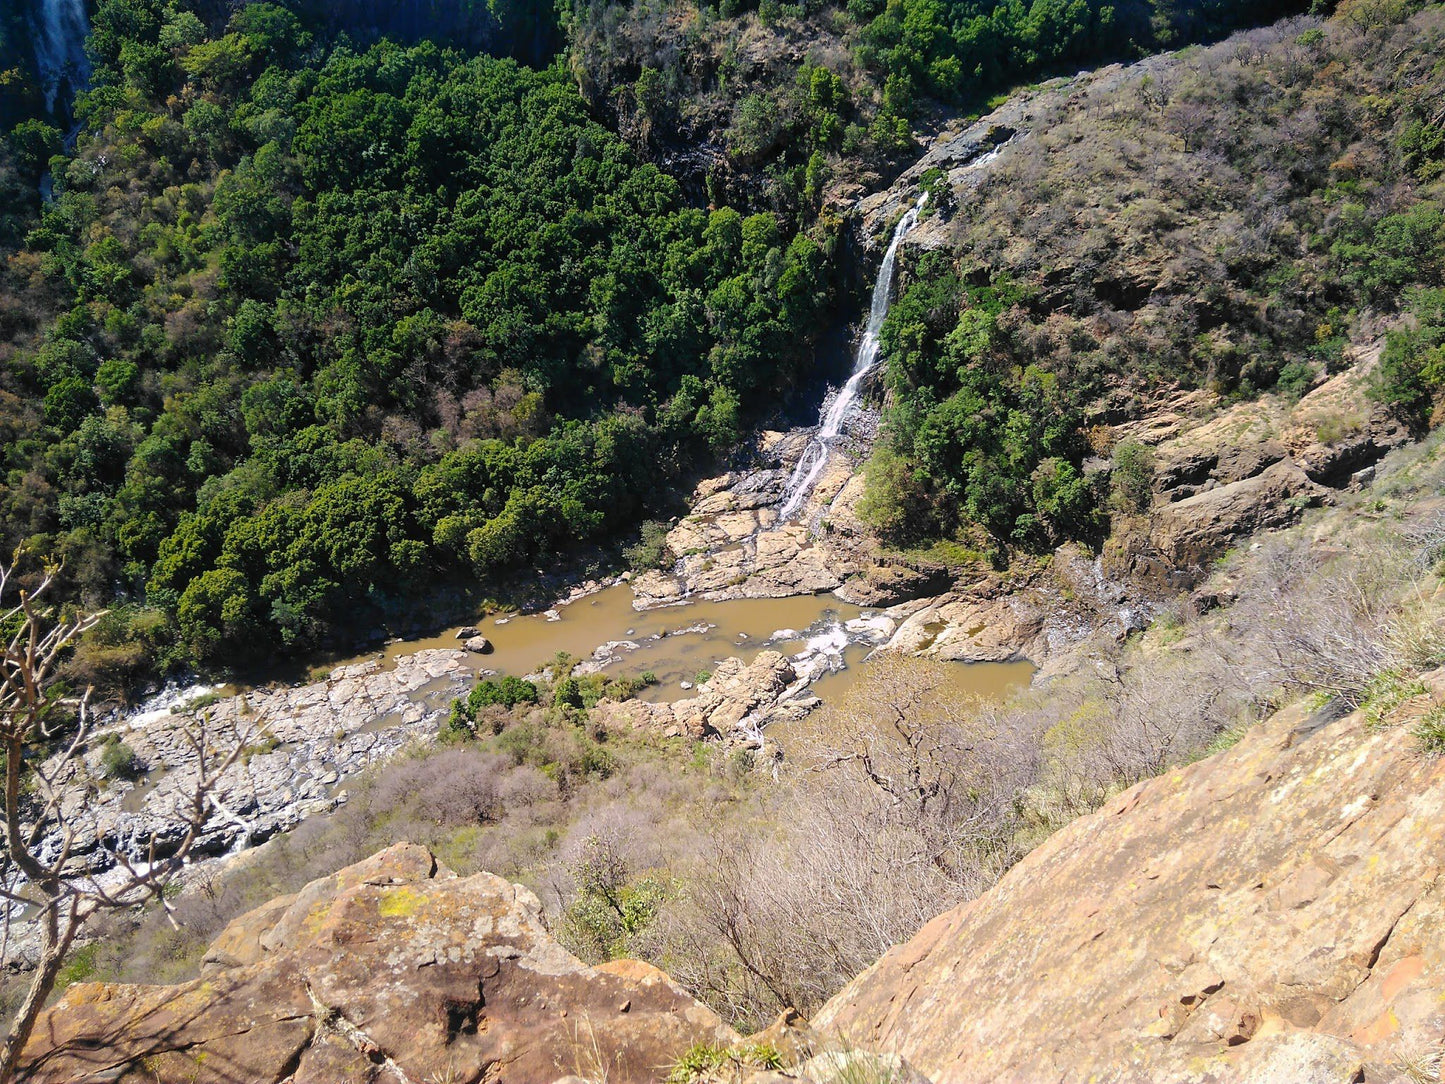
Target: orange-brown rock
733, 703
1272, 914
392, 971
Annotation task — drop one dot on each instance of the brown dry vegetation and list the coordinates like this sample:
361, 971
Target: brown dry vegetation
1188, 222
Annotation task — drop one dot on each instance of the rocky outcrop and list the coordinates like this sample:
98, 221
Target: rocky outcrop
1225, 474
300, 744
962, 629
736, 701
1271, 914
392, 971
731, 545
1193, 530
1043, 618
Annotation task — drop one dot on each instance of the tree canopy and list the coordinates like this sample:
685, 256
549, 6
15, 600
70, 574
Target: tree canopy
308, 325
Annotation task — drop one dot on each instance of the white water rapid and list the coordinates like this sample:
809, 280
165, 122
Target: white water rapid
59, 35
815, 456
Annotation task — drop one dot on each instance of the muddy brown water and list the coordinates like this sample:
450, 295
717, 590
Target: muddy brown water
679, 643
675, 643
954, 683
965, 680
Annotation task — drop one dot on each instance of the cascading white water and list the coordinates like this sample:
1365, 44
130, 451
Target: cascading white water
815, 456
59, 36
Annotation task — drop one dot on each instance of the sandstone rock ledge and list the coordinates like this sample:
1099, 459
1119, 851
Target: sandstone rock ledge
1273, 914
734, 704
392, 971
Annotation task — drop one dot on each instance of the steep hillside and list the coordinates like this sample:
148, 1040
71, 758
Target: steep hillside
1226, 220
796, 104
1270, 914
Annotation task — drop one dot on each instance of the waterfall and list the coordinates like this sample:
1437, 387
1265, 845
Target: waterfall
815, 456
59, 36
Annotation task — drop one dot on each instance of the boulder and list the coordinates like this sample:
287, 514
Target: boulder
478, 645
604, 655
466, 632
887, 584
735, 703
1193, 530
391, 970
1269, 914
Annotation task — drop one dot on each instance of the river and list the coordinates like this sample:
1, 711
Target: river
678, 643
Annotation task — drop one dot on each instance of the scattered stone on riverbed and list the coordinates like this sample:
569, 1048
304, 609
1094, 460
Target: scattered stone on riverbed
466, 632
604, 656
478, 645
697, 628
299, 742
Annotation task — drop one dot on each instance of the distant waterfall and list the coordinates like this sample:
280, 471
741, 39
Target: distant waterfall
59, 29
815, 456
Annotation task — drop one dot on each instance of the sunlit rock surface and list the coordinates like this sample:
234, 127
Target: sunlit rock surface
1270, 914
391, 971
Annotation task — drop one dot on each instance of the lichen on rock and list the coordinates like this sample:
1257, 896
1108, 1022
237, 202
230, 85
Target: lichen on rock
390, 971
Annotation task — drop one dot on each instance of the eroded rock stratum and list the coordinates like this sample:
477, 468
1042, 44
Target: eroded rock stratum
392, 971
1271, 914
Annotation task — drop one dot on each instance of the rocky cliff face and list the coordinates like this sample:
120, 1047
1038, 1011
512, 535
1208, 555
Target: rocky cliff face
1224, 474
1271, 914
392, 971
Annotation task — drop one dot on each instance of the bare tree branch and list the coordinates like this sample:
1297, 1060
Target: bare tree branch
44, 736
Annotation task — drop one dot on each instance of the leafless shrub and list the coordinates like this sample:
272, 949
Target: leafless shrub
1318, 618
43, 738
908, 811
450, 787
783, 915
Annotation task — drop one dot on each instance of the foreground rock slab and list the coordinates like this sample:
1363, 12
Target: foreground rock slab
1271, 914
392, 971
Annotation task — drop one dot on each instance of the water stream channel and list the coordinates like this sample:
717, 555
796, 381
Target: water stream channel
679, 644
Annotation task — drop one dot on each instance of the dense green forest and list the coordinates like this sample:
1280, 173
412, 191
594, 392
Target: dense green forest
312, 318
305, 324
